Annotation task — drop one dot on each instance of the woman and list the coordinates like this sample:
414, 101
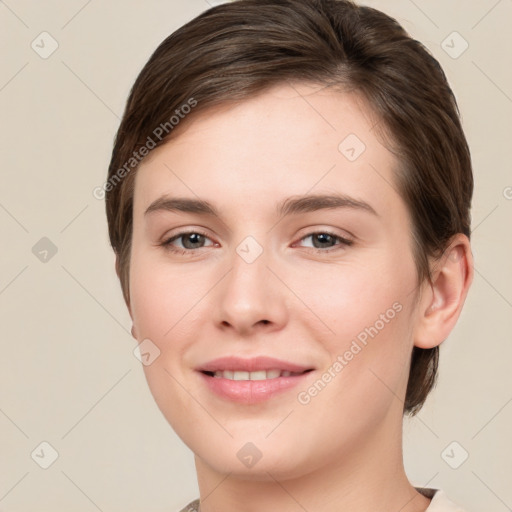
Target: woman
288, 200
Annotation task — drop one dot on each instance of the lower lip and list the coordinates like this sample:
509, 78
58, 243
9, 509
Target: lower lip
251, 391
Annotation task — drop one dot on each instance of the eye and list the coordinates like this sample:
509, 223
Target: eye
324, 241
190, 240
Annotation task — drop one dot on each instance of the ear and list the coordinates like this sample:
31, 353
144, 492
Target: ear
441, 303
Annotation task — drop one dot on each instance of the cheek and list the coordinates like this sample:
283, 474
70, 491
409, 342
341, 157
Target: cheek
350, 297
161, 296
365, 312
162, 303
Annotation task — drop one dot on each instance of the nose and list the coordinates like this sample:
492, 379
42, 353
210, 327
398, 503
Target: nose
250, 298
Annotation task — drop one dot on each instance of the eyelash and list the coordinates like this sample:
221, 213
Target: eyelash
189, 252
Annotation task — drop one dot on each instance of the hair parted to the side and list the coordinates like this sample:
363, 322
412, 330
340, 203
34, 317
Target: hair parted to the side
236, 50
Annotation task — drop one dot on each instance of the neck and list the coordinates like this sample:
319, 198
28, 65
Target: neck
365, 478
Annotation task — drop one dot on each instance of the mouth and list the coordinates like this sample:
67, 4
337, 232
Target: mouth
274, 373
252, 381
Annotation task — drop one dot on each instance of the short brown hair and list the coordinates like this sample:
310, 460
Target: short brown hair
236, 50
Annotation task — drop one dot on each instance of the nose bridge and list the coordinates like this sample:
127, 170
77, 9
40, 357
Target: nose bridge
249, 295
248, 279
250, 250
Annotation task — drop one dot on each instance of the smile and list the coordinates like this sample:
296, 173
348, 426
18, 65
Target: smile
258, 375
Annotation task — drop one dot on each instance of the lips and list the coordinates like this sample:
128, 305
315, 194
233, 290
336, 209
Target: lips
252, 381
238, 368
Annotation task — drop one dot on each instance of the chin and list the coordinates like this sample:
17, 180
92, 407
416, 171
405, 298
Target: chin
258, 461
261, 471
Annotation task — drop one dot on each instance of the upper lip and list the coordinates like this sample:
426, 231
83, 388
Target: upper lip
253, 364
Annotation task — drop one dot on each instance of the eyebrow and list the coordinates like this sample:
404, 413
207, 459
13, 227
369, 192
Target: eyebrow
290, 206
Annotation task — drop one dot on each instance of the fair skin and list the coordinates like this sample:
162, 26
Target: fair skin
304, 300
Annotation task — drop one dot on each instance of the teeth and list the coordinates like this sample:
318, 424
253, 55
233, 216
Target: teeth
259, 375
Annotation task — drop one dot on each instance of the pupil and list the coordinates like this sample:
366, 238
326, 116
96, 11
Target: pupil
193, 238
323, 236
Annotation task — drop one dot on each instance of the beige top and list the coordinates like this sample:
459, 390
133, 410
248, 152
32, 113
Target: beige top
439, 503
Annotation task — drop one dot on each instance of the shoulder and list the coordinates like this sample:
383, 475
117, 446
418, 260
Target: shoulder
440, 502
191, 507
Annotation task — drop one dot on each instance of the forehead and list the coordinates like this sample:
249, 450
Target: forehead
290, 140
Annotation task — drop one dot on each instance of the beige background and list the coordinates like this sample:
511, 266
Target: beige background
68, 376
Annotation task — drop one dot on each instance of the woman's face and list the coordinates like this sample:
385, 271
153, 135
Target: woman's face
268, 273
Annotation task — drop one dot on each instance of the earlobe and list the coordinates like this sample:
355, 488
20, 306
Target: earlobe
442, 302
